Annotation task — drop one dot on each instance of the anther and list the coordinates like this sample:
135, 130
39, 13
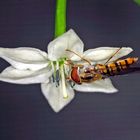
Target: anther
57, 78
64, 91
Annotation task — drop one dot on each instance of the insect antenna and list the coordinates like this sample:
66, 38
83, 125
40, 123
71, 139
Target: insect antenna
79, 56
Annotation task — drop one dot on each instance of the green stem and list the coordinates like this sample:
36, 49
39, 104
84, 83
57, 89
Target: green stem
60, 17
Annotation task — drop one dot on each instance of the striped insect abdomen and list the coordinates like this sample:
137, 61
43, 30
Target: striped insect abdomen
115, 67
125, 63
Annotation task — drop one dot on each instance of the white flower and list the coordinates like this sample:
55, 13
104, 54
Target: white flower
30, 65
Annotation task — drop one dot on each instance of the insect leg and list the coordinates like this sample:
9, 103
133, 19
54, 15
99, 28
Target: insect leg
113, 55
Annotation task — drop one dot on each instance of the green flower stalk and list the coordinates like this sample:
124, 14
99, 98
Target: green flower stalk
137, 2
60, 17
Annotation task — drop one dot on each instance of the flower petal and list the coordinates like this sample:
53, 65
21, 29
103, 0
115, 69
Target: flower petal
24, 58
69, 40
102, 54
16, 76
104, 85
55, 97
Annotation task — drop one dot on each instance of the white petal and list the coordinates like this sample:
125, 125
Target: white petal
55, 97
69, 40
102, 54
13, 75
104, 85
24, 58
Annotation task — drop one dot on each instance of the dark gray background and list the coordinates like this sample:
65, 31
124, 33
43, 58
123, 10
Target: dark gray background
24, 112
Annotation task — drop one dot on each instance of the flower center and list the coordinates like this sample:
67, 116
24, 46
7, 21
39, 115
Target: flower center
59, 75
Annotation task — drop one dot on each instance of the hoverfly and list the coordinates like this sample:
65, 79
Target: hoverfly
80, 74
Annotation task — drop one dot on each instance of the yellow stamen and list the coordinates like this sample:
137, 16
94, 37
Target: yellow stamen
57, 65
52, 65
